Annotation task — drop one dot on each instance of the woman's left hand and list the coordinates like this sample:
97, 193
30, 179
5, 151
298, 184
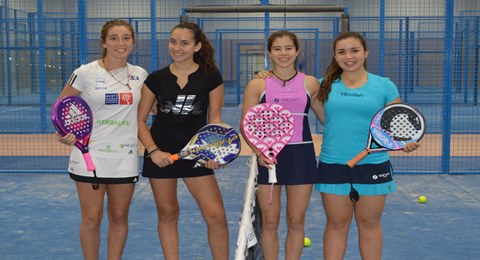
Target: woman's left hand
211, 164
410, 147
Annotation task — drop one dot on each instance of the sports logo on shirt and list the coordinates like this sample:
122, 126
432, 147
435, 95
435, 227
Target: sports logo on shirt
118, 98
184, 105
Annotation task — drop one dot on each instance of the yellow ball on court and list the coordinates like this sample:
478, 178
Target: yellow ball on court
306, 242
422, 199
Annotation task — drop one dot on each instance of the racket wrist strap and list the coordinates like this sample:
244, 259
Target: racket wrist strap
152, 152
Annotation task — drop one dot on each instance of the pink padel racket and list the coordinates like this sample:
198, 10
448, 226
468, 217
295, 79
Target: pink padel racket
71, 114
269, 127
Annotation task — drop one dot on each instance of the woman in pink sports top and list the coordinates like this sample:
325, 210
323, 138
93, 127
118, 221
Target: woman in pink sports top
296, 164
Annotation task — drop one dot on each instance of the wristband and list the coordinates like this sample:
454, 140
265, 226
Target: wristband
153, 151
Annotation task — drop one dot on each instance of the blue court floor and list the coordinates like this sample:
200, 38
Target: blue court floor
39, 218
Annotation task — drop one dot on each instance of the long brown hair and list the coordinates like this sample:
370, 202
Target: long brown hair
205, 56
107, 26
334, 71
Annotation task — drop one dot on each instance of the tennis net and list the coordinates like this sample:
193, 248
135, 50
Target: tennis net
248, 242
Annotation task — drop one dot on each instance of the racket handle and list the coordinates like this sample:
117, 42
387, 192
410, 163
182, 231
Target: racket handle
358, 157
272, 174
88, 161
175, 157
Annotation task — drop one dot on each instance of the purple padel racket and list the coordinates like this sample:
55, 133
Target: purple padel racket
71, 114
393, 127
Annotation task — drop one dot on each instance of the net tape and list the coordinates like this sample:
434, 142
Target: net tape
248, 242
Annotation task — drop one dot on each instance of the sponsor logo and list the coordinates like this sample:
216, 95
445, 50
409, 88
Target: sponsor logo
126, 98
113, 122
108, 149
346, 94
128, 145
111, 99
74, 115
118, 99
100, 84
382, 175
381, 137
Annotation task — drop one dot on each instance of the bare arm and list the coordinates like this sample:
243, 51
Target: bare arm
68, 90
215, 104
251, 97
160, 158
397, 100
313, 87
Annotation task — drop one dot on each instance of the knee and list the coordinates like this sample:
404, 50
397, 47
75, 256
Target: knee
270, 224
216, 217
339, 224
368, 224
168, 213
92, 219
118, 217
296, 224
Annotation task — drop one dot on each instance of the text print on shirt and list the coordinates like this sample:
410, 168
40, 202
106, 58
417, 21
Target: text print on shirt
184, 105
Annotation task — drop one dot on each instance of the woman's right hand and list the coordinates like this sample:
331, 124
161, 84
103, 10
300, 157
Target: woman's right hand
263, 74
264, 161
69, 139
162, 159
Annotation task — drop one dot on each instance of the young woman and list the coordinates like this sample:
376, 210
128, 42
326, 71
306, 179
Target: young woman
351, 96
112, 88
189, 94
296, 164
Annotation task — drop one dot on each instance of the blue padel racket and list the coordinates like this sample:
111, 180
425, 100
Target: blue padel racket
218, 142
71, 114
391, 129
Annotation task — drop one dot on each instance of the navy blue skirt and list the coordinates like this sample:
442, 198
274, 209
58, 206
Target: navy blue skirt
296, 164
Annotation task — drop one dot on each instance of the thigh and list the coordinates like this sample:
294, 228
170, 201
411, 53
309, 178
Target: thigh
338, 208
120, 196
369, 208
298, 197
270, 209
164, 192
206, 192
91, 201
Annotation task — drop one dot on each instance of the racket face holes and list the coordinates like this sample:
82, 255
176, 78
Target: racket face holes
403, 123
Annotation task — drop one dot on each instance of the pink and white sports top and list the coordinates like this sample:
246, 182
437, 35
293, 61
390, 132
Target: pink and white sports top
294, 96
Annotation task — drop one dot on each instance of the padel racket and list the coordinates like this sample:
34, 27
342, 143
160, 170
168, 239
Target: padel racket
391, 129
71, 114
218, 142
269, 127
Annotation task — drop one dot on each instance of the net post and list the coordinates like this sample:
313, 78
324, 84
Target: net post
345, 23
183, 18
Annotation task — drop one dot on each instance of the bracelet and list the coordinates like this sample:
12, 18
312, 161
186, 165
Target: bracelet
153, 151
